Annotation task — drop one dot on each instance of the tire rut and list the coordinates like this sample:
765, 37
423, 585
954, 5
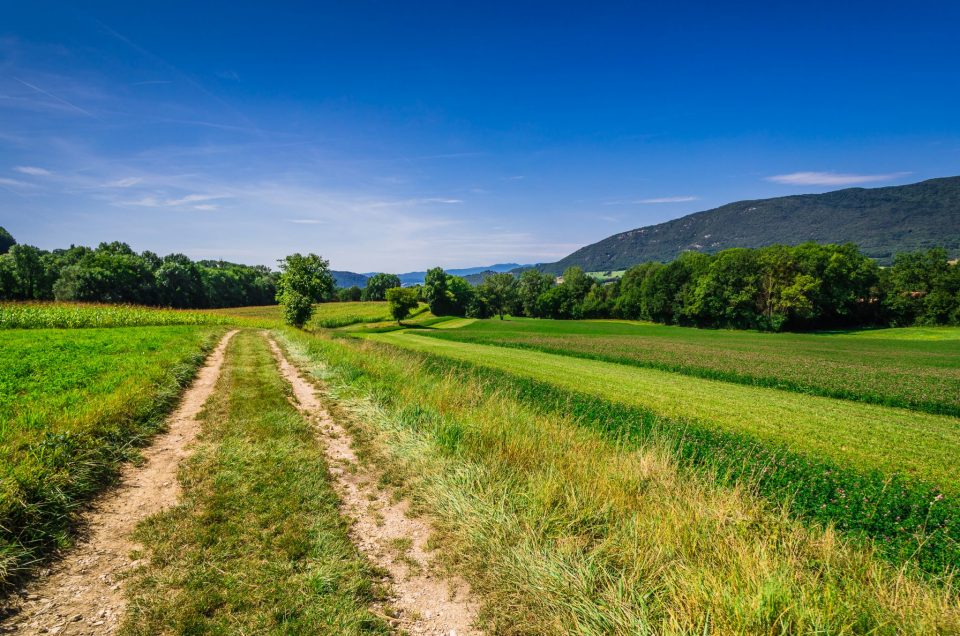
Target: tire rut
82, 593
425, 601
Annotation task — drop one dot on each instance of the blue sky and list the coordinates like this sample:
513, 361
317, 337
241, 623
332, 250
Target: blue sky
397, 136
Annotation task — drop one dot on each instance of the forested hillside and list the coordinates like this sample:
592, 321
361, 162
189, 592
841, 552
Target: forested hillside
880, 221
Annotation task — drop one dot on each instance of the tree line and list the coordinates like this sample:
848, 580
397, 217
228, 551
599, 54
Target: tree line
114, 273
808, 286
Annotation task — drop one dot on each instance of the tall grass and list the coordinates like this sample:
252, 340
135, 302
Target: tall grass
75, 404
881, 473
566, 530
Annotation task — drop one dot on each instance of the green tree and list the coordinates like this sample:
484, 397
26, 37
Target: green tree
401, 301
436, 292
530, 287
499, 293
303, 281
461, 294
378, 284
179, 283
6, 241
349, 294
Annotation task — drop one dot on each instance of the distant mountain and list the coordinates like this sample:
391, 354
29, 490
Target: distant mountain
476, 279
349, 279
416, 278
882, 221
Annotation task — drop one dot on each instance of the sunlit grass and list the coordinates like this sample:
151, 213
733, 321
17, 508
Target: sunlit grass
73, 405
564, 530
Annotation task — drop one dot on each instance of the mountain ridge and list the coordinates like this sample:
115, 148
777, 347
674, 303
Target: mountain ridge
881, 221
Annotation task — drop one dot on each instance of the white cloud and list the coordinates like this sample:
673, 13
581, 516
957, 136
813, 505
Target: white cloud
14, 183
151, 201
677, 199
680, 199
306, 221
832, 178
33, 171
123, 183
192, 198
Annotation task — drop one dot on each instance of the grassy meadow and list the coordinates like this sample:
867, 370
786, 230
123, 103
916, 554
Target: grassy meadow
880, 473
74, 404
564, 529
592, 477
914, 368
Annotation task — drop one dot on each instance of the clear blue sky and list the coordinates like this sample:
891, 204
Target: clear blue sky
401, 135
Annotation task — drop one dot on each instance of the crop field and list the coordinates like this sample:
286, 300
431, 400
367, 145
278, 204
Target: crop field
73, 404
915, 368
46, 315
881, 472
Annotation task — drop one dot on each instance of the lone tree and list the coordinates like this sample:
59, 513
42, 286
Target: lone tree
402, 300
303, 281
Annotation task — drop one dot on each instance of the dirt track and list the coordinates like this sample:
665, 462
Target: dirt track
427, 601
82, 593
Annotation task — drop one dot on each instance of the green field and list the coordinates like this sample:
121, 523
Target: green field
879, 472
46, 315
73, 405
594, 476
563, 531
917, 368
327, 315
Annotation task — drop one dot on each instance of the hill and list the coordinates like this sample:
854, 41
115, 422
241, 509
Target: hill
349, 279
415, 278
882, 221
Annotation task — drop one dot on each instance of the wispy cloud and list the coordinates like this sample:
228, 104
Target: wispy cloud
33, 171
676, 199
123, 183
832, 178
680, 199
14, 183
56, 98
306, 221
153, 201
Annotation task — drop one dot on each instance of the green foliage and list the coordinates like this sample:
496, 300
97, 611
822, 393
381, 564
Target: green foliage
401, 302
880, 221
114, 273
297, 308
349, 294
530, 287
447, 295
74, 404
378, 284
6, 240
774, 288
498, 295
303, 281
